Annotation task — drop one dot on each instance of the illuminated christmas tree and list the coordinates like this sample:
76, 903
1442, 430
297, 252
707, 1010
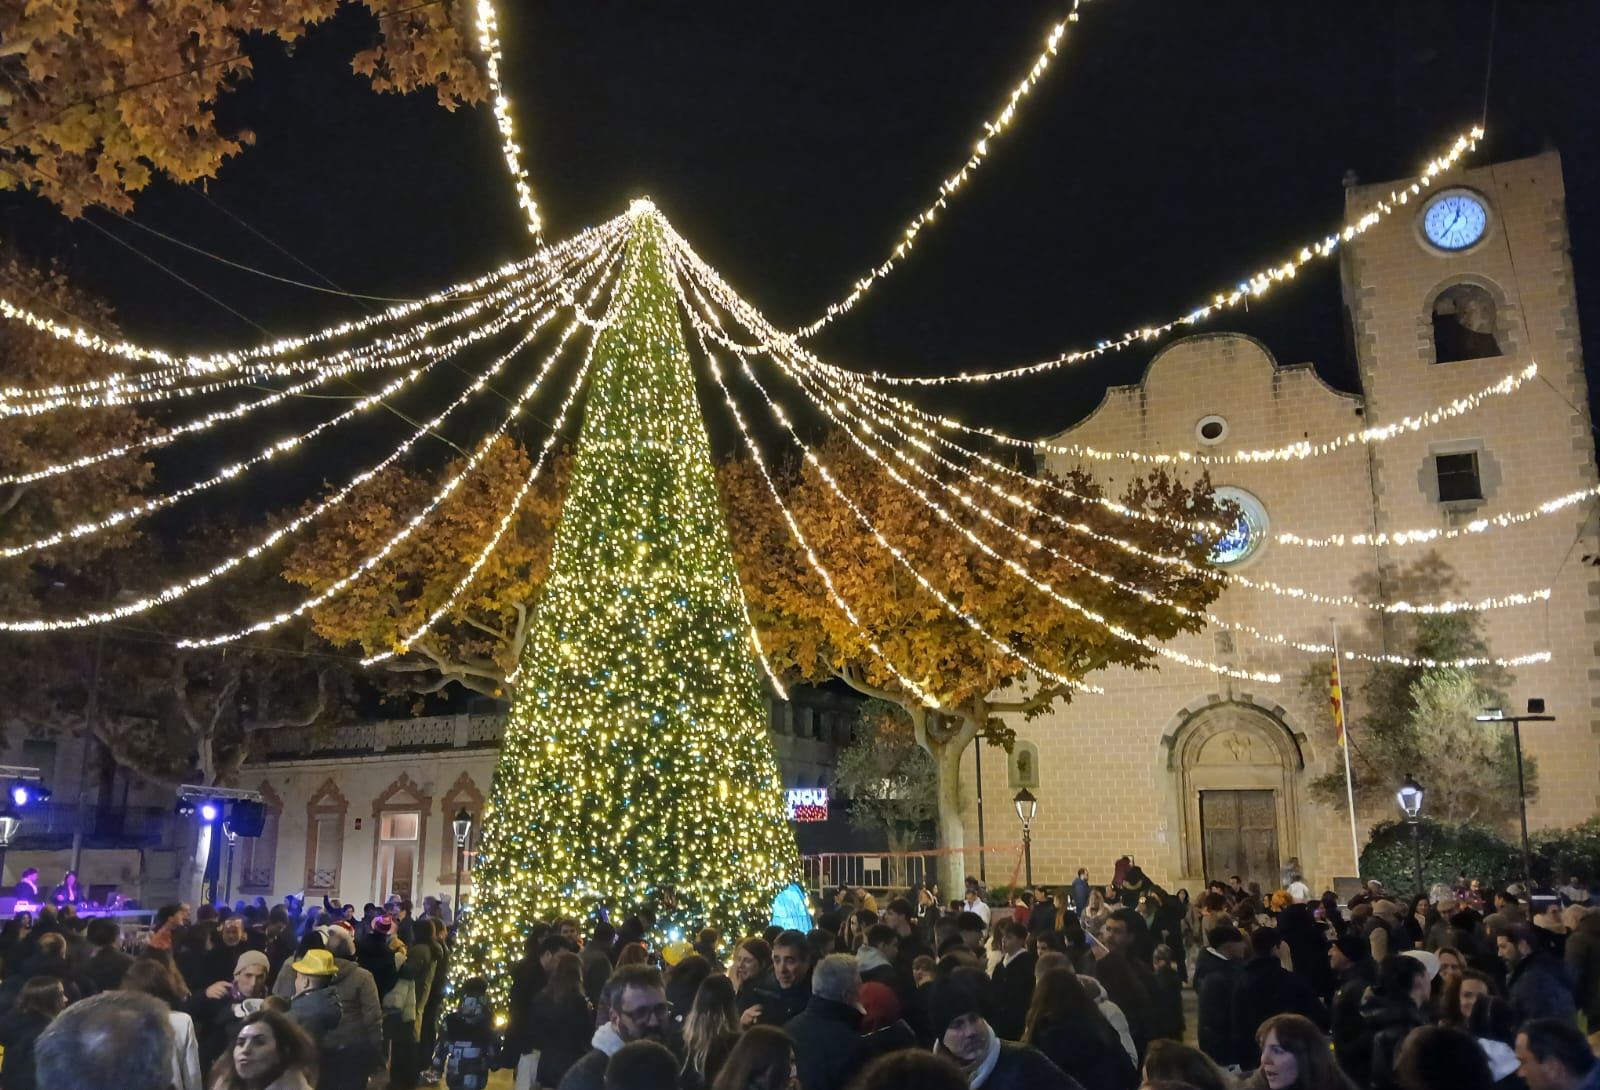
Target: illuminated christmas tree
636, 765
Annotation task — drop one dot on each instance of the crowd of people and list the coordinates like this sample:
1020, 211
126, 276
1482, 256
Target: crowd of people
1073, 988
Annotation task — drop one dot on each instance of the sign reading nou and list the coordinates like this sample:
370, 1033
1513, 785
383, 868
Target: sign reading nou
807, 803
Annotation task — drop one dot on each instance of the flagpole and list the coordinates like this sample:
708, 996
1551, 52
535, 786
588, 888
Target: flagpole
1344, 744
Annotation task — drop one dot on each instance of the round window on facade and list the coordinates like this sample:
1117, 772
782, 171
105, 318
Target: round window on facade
1248, 533
1210, 430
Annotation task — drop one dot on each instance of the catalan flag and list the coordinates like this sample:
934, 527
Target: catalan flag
1336, 698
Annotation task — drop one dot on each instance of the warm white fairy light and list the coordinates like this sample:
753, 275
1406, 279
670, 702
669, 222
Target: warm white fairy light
373, 559
1251, 287
993, 129
175, 366
1296, 451
433, 353
174, 591
1001, 644
864, 423
1428, 536
489, 44
753, 322
279, 447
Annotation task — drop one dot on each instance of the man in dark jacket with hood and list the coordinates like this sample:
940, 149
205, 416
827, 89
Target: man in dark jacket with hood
959, 1007
828, 1047
1265, 988
1538, 983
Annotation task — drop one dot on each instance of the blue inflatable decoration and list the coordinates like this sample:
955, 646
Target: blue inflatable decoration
791, 910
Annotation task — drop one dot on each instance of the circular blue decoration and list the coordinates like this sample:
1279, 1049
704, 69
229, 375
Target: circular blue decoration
1455, 220
791, 910
1246, 536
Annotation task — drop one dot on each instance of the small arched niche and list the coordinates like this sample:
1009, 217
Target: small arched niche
1465, 324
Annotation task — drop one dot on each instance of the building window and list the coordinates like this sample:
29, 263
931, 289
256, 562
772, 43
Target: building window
463, 795
325, 814
1210, 430
398, 835
1457, 474
1464, 324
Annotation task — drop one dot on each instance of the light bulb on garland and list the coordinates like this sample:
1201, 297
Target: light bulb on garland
636, 765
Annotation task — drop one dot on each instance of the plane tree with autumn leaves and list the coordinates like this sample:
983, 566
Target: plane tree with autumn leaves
976, 685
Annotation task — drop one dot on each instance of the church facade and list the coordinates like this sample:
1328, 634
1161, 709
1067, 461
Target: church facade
1197, 775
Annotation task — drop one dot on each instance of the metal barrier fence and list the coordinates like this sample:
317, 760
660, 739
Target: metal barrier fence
893, 872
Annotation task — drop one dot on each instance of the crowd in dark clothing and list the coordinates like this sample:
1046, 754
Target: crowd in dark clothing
1077, 988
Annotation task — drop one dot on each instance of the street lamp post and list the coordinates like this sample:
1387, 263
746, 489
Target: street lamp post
1410, 799
1027, 806
1535, 715
462, 824
227, 882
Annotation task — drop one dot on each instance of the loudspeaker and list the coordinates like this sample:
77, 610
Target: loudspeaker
247, 818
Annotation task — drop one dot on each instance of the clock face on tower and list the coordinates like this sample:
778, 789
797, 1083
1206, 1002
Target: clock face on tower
1455, 220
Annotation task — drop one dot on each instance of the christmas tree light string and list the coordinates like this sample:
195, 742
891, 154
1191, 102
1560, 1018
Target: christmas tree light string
175, 366
993, 130
277, 448
434, 352
175, 591
862, 422
580, 319
753, 322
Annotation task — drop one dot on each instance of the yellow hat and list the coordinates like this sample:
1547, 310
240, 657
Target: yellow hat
674, 952
315, 963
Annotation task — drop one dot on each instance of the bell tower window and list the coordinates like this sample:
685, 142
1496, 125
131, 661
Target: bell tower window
1464, 323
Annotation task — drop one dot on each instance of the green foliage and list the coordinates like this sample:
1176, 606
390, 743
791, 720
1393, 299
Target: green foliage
1422, 722
1447, 850
888, 778
1558, 854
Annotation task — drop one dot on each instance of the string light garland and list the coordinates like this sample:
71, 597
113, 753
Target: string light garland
433, 353
277, 448
373, 559
864, 424
489, 45
993, 130
1253, 286
202, 365
754, 323
1431, 535
1290, 452
637, 764
174, 591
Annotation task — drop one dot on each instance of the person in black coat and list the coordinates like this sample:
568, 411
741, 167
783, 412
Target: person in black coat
40, 1001
958, 1008
784, 991
828, 1046
375, 953
107, 965
561, 1020
1166, 997
1537, 983
1066, 1025
1215, 972
1012, 982
1265, 988
1390, 1011
1126, 978
528, 978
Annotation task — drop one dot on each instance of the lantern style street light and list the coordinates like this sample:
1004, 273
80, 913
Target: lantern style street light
1027, 806
1535, 715
1410, 799
462, 824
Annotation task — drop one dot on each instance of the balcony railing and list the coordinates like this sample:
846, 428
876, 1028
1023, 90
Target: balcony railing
47, 823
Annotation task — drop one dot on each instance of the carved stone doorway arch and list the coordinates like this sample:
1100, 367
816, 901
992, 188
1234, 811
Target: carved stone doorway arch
1235, 767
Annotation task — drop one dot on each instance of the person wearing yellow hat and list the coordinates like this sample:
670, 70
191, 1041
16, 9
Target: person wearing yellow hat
315, 1006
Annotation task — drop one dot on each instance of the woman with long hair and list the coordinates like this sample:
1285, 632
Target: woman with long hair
1065, 1024
269, 1052
154, 977
1295, 1055
683, 982
632, 953
1098, 912
561, 1020
751, 959
709, 1032
762, 1060
42, 998
1461, 995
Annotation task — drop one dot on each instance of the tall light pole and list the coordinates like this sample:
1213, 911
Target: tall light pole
1027, 806
1410, 799
462, 824
1535, 714
227, 882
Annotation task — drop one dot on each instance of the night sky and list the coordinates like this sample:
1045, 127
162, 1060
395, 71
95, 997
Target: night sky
1173, 147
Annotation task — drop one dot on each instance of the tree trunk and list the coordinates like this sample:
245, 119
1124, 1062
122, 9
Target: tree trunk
952, 833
